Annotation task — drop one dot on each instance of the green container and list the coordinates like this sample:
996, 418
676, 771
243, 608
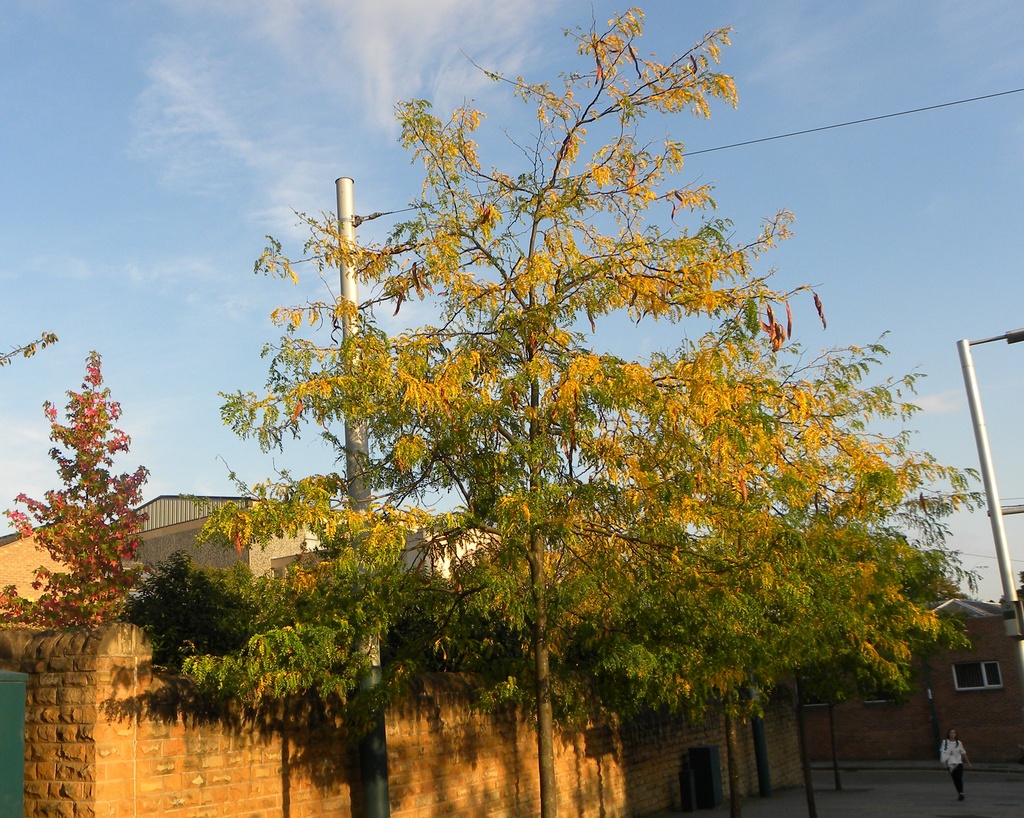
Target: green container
12, 743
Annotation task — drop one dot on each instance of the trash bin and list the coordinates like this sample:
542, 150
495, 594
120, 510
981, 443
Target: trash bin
12, 742
707, 775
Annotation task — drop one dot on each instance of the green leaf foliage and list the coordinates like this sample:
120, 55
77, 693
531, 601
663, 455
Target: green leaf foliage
189, 610
29, 349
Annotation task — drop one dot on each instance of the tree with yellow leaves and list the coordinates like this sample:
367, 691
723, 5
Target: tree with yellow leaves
599, 487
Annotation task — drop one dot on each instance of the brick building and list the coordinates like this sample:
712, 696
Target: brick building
172, 524
19, 559
976, 690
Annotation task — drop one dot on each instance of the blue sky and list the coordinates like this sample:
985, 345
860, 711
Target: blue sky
147, 148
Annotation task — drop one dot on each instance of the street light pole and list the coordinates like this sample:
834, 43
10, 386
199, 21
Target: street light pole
373, 747
1012, 614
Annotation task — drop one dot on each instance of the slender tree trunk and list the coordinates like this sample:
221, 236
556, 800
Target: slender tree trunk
832, 737
805, 761
732, 754
545, 722
538, 587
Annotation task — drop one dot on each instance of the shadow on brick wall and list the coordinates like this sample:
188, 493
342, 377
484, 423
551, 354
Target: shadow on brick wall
105, 733
102, 727
311, 735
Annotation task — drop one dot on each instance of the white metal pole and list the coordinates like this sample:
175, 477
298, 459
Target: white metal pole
373, 748
356, 445
1011, 606
988, 474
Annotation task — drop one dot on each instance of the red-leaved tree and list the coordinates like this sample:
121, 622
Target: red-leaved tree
90, 527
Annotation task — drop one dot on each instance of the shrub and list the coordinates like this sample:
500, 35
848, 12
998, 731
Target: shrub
188, 610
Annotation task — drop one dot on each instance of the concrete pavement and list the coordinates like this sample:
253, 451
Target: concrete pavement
894, 790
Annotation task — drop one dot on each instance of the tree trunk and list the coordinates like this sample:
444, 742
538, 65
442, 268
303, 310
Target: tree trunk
538, 587
542, 677
832, 738
805, 762
732, 754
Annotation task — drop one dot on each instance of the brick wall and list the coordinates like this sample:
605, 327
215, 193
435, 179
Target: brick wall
990, 722
19, 558
106, 738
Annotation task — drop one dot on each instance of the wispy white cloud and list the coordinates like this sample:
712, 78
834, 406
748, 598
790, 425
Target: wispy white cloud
190, 117
405, 48
800, 42
988, 33
376, 53
58, 266
210, 116
26, 467
941, 403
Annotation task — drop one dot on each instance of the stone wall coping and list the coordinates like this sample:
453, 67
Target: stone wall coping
23, 649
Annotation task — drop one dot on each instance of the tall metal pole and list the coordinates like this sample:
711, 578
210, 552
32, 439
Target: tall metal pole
1011, 605
988, 475
356, 447
373, 748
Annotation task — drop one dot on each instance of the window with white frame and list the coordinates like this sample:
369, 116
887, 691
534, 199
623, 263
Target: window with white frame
977, 675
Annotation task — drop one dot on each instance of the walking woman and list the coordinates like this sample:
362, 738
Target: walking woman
954, 755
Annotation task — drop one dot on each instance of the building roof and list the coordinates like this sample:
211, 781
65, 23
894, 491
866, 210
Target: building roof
171, 509
166, 510
969, 607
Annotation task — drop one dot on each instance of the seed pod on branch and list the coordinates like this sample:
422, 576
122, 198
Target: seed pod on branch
821, 311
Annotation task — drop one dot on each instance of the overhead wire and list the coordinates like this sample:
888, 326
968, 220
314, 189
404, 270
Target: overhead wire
360, 219
854, 122
861, 122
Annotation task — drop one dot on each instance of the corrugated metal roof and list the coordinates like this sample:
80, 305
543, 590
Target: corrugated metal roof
171, 509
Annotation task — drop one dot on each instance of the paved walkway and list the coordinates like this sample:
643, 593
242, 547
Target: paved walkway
893, 791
